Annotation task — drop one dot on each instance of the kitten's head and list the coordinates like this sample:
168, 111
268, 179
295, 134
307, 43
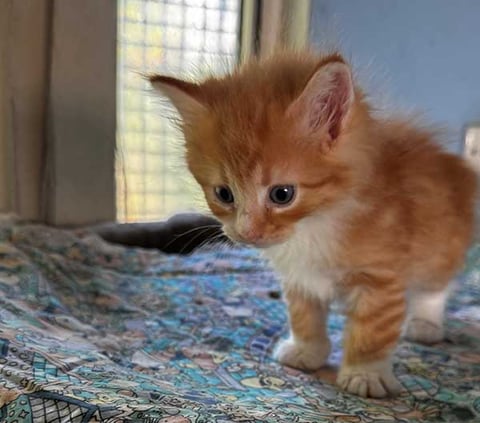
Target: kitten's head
265, 142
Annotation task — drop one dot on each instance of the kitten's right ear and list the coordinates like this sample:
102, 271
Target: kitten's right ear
185, 96
326, 101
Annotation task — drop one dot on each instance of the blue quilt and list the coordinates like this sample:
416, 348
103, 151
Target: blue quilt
92, 332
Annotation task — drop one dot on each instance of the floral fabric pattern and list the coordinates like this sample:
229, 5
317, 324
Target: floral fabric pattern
94, 332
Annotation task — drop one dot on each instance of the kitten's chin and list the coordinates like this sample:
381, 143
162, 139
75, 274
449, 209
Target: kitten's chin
264, 244
261, 244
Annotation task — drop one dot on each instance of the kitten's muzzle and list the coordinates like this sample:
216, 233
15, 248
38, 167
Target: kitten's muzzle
256, 239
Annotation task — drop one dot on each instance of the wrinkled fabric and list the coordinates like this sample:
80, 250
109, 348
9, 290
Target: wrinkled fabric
94, 332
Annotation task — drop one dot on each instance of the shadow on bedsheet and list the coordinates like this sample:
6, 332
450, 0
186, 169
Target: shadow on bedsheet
93, 332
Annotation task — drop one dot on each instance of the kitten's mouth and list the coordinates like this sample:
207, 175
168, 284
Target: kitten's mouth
258, 243
263, 244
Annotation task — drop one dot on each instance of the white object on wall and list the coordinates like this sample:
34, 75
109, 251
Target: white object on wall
472, 145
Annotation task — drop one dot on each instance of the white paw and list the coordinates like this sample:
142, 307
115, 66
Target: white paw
375, 380
424, 331
302, 355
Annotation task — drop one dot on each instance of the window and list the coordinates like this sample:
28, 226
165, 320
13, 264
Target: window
176, 37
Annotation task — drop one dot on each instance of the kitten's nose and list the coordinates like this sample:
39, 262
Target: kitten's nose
249, 228
250, 235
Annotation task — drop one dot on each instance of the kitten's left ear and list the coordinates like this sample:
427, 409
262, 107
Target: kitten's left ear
185, 96
326, 101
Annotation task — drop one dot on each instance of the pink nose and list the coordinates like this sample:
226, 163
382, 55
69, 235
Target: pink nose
250, 235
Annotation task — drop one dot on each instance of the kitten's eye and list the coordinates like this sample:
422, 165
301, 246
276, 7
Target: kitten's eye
224, 194
282, 194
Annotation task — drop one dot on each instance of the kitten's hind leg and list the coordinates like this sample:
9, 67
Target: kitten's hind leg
426, 309
308, 346
375, 316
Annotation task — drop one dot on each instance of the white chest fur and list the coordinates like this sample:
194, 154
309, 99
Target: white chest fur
306, 262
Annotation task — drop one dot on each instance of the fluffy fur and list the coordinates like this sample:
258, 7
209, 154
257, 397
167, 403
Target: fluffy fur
381, 213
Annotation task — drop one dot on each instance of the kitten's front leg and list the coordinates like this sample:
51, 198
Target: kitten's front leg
308, 346
375, 315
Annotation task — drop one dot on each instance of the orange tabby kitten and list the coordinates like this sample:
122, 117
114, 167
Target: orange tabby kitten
347, 206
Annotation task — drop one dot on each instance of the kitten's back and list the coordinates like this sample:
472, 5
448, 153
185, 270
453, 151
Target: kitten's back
420, 206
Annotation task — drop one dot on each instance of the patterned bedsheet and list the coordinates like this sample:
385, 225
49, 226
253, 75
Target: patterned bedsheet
92, 332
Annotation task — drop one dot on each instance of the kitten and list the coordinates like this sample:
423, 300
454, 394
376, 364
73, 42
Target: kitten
346, 205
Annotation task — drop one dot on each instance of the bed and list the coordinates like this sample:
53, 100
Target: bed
95, 332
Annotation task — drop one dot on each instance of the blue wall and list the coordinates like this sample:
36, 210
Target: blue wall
425, 53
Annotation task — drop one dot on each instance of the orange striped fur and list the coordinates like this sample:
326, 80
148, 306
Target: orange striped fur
381, 214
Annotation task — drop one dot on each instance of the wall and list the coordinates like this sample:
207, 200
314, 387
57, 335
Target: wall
5, 200
425, 53
23, 74
57, 110
82, 115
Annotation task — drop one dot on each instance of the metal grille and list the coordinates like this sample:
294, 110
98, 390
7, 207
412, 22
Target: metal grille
176, 37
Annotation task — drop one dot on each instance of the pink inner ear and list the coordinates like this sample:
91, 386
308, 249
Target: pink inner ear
330, 107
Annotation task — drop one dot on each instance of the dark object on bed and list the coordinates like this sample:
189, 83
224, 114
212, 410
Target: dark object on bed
181, 234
